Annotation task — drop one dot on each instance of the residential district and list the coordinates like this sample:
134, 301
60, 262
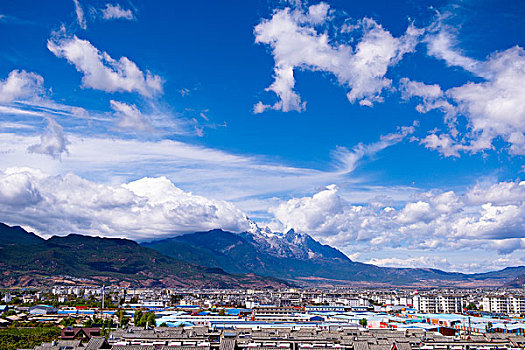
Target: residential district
80, 317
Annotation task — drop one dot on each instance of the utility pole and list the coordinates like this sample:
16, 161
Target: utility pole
469, 325
103, 297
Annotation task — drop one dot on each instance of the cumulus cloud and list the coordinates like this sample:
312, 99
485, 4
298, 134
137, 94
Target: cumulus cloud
437, 220
443, 143
53, 142
297, 41
130, 117
102, 72
17, 190
116, 12
80, 15
20, 85
144, 209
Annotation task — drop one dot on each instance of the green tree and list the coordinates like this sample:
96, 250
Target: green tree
136, 317
222, 312
151, 320
93, 321
68, 321
15, 301
26, 338
472, 306
363, 322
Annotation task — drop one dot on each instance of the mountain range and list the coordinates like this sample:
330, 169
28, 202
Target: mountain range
212, 259
299, 258
28, 260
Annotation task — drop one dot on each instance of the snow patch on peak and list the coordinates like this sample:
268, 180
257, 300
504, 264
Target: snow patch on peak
284, 245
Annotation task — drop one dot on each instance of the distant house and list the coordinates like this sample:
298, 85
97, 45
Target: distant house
95, 343
7, 298
325, 308
74, 333
42, 310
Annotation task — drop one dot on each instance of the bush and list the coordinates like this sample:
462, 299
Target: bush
26, 338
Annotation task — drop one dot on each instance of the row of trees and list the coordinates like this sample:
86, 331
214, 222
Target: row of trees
141, 319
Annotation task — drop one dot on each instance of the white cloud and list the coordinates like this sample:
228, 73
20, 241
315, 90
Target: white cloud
496, 107
116, 12
444, 144
435, 221
297, 43
144, 209
493, 107
53, 142
412, 262
502, 193
477, 261
12, 110
207, 171
414, 88
20, 85
130, 117
17, 190
349, 159
102, 72
80, 15
442, 44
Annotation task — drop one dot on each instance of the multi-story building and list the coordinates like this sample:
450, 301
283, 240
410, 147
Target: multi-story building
504, 304
438, 303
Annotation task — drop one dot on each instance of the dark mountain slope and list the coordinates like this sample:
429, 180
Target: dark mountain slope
17, 235
117, 261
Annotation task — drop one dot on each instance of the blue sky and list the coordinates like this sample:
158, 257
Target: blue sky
394, 132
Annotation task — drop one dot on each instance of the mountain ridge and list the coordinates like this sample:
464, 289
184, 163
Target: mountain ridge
307, 261
99, 260
212, 259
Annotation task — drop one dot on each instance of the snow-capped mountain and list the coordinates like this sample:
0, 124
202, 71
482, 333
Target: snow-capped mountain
289, 245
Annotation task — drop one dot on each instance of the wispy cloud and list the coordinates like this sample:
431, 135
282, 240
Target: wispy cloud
209, 171
348, 159
79, 12
116, 12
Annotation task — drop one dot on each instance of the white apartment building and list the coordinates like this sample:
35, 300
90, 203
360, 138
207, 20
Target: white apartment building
504, 304
438, 303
